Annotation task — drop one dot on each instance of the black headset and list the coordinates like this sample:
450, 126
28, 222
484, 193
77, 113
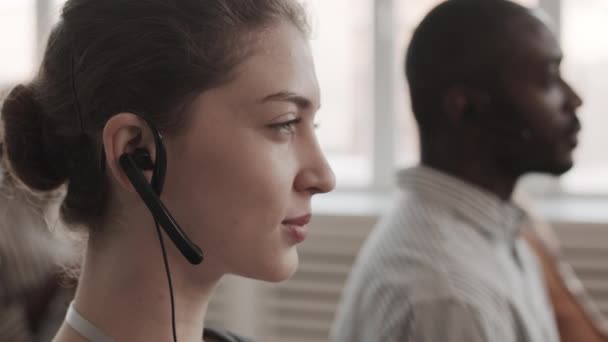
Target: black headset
133, 164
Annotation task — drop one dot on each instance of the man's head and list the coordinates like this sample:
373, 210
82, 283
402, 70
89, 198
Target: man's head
484, 77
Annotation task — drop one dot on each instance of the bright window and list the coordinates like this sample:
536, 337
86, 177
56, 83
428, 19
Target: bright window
18, 39
585, 44
342, 45
364, 139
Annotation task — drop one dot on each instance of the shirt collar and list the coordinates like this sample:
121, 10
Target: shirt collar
496, 218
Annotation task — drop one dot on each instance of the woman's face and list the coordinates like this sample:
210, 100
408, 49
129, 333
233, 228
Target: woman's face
241, 178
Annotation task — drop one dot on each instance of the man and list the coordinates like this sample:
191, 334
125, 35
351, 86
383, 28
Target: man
448, 262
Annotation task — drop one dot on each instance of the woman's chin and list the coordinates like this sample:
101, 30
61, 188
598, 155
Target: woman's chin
280, 270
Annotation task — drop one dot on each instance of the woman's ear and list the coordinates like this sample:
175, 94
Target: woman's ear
124, 133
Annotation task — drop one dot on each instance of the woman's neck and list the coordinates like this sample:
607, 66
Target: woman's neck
125, 293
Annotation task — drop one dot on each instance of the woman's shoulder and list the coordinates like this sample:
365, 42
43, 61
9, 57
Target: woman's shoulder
216, 335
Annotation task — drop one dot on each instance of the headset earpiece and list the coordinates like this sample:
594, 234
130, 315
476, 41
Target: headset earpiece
143, 160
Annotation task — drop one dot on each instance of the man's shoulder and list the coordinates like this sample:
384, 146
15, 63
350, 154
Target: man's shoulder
412, 215
408, 236
410, 276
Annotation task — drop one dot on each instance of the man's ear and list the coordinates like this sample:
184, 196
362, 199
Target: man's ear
462, 103
124, 133
457, 104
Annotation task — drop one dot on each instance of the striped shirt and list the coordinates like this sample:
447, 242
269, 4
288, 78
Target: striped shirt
446, 264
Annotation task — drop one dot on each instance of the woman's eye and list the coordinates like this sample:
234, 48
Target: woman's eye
286, 126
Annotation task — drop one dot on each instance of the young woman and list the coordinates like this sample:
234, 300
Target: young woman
213, 103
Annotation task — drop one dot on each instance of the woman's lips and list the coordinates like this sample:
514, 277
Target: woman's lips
296, 227
298, 221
